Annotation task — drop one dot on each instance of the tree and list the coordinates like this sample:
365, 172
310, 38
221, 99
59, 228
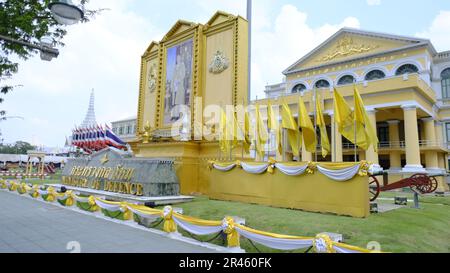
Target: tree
28, 21
19, 148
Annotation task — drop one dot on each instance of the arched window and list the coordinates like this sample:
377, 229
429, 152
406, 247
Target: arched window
322, 84
445, 83
406, 69
347, 79
375, 75
298, 88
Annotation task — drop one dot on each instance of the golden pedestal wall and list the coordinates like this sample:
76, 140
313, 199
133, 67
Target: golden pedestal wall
314, 192
191, 161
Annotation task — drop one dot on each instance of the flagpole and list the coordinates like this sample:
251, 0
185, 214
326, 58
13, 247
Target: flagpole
333, 127
356, 133
300, 136
244, 131
315, 121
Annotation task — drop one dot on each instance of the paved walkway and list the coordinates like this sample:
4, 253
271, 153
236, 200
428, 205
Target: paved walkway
30, 226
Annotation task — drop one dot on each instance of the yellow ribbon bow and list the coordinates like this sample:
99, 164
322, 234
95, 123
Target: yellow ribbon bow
169, 223
229, 229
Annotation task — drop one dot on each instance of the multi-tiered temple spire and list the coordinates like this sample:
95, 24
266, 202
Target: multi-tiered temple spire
89, 120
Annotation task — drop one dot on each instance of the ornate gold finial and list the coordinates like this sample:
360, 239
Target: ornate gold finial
147, 136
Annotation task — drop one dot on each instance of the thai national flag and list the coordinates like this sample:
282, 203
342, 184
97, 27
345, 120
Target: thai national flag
113, 140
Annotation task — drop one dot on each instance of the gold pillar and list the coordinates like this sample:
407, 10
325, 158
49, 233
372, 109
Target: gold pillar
371, 155
336, 143
413, 163
394, 138
431, 157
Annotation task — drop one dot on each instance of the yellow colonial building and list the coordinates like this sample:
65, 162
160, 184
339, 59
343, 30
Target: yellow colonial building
405, 85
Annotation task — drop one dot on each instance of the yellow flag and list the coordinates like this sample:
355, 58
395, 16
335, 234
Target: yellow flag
362, 120
308, 131
247, 143
288, 122
223, 133
261, 133
325, 142
273, 124
344, 118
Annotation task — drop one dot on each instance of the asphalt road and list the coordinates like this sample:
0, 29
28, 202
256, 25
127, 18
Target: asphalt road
30, 226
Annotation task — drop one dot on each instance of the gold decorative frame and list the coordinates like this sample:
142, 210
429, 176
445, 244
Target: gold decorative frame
181, 32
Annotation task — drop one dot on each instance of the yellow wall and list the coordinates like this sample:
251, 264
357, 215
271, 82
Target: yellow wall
314, 192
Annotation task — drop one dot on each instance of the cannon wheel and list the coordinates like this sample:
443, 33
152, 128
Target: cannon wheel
424, 183
374, 188
434, 184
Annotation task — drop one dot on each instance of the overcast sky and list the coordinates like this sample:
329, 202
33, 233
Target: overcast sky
105, 53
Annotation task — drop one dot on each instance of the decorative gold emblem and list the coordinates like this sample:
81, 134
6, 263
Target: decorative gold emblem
219, 63
152, 79
104, 159
346, 47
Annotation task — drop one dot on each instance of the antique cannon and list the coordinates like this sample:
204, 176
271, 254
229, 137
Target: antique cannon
419, 183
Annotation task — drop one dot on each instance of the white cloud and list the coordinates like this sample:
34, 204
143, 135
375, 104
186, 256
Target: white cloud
373, 2
438, 32
288, 40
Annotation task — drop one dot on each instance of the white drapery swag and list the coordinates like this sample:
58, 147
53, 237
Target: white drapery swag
255, 169
62, 198
291, 170
276, 243
107, 207
82, 199
224, 169
150, 217
41, 192
346, 251
195, 229
340, 175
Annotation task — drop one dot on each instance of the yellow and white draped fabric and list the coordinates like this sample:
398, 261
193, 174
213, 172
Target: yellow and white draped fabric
275, 241
255, 168
339, 173
145, 212
335, 171
292, 169
224, 166
343, 248
197, 226
321, 243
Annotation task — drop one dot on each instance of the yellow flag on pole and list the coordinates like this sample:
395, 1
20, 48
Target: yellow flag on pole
308, 131
362, 120
345, 119
325, 142
223, 133
261, 134
288, 122
274, 124
247, 143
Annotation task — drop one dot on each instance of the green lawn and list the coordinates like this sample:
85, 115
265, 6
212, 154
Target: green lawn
403, 230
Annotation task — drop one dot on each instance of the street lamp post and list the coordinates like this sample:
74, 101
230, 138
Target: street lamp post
65, 13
